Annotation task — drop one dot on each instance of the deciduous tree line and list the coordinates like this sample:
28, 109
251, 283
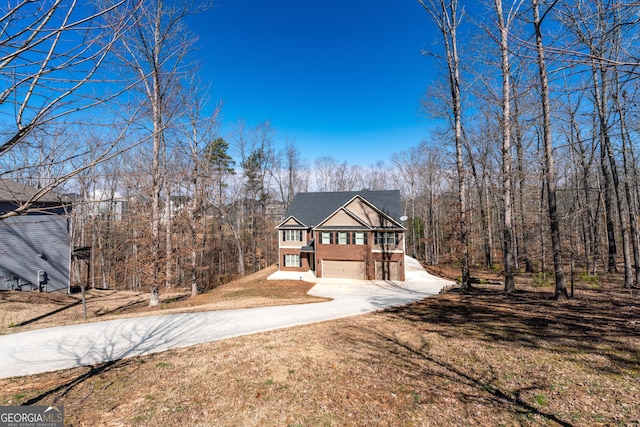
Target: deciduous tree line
541, 97
533, 168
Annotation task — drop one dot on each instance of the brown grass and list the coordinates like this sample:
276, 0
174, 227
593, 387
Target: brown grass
23, 311
473, 358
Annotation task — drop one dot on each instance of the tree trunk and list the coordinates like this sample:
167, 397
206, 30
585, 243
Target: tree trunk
589, 222
194, 263
631, 202
509, 282
168, 246
447, 19
193, 221
489, 238
600, 90
156, 179
525, 232
483, 197
154, 301
560, 288
454, 75
241, 270
612, 248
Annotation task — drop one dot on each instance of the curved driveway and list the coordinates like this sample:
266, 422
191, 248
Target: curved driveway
65, 347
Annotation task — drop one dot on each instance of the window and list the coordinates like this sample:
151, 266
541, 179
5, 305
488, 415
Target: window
342, 238
359, 238
293, 235
326, 238
386, 238
292, 260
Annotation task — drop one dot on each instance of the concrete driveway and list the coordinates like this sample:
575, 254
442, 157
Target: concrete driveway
66, 347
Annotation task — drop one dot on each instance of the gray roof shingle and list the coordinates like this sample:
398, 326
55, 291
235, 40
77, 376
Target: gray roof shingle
14, 192
313, 208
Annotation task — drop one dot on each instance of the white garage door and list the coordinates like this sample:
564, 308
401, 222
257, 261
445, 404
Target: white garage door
343, 269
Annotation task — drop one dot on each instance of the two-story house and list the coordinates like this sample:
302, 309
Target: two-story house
348, 234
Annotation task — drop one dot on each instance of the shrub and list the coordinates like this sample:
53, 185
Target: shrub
591, 280
541, 280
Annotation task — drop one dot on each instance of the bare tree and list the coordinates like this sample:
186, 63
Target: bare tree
52, 58
200, 134
524, 237
289, 173
506, 127
601, 30
376, 177
257, 162
409, 163
323, 170
480, 166
156, 53
447, 18
549, 171
219, 166
333, 175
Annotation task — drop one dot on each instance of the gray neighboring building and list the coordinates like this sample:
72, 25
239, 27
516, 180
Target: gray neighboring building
35, 249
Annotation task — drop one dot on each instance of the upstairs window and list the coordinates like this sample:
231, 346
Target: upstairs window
343, 238
292, 235
386, 238
326, 238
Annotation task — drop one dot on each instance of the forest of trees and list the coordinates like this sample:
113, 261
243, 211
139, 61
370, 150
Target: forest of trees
533, 166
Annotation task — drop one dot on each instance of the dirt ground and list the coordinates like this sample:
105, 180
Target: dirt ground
460, 358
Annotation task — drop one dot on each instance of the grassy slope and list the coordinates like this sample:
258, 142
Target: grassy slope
22, 311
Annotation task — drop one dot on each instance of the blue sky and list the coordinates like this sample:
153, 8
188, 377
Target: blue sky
344, 78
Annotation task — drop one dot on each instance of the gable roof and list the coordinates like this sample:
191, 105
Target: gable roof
293, 223
343, 213
313, 208
14, 192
